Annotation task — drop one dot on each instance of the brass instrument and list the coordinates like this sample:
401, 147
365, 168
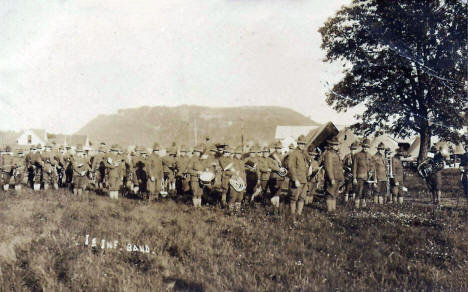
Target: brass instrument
237, 183
282, 171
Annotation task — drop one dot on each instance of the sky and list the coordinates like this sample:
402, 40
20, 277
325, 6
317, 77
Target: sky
62, 62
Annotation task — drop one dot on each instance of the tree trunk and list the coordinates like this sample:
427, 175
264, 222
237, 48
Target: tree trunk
425, 135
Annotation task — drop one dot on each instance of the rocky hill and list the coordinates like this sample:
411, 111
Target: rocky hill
145, 125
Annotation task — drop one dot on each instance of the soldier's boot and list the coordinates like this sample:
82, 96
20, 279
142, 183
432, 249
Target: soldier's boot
237, 207
300, 206
395, 199
80, 191
18, 189
376, 200
56, 187
329, 205
381, 200
354, 196
357, 203
46, 186
400, 200
275, 201
364, 204
439, 196
292, 206
346, 198
390, 199
195, 202
223, 199
6, 187
199, 202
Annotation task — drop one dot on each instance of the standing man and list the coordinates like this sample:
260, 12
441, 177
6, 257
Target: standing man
155, 169
276, 180
348, 171
464, 171
435, 178
181, 164
396, 178
297, 166
362, 172
381, 175
226, 164
235, 197
195, 168
333, 173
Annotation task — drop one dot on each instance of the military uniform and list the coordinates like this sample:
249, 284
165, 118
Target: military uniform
348, 172
434, 180
114, 172
334, 177
380, 166
182, 179
464, 171
155, 173
235, 197
297, 166
396, 180
226, 164
362, 168
194, 168
276, 181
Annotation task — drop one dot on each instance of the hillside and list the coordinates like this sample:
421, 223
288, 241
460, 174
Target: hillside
145, 125
175, 248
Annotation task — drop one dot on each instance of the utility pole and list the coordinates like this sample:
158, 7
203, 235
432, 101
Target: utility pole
242, 134
195, 130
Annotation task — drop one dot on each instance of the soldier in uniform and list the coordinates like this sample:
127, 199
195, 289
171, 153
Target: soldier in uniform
114, 172
464, 171
182, 179
155, 170
226, 164
348, 170
396, 178
276, 180
19, 171
362, 170
333, 173
235, 197
381, 175
434, 180
264, 171
35, 164
297, 166
252, 173
98, 168
7, 166
80, 169
312, 176
195, 167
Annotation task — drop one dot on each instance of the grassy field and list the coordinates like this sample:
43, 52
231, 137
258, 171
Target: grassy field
42, 247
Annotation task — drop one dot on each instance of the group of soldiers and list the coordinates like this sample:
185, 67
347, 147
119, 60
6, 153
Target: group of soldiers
220, 173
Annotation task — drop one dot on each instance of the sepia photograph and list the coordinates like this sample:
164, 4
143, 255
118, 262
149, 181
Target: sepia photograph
233, 145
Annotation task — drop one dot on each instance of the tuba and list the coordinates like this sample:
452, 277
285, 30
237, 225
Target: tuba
283, 172
237, 183
430, 166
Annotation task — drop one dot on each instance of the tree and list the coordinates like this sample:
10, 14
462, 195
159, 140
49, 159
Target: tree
405, 61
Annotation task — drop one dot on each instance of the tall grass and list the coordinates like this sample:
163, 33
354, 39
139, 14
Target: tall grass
42, 247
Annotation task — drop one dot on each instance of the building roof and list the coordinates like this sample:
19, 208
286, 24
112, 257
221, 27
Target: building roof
41, 133
74, 140
292, 131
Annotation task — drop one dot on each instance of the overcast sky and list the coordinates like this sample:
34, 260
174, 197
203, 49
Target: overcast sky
64, 62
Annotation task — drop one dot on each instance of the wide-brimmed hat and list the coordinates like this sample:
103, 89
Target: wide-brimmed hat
333, 141
365, 143
353, 146
278, 145
381, 146
155, 147
301, 139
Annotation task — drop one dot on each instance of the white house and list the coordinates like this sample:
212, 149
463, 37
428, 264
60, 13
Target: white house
32, 137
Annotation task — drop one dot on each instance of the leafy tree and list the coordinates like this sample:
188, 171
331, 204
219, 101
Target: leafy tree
405, 61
